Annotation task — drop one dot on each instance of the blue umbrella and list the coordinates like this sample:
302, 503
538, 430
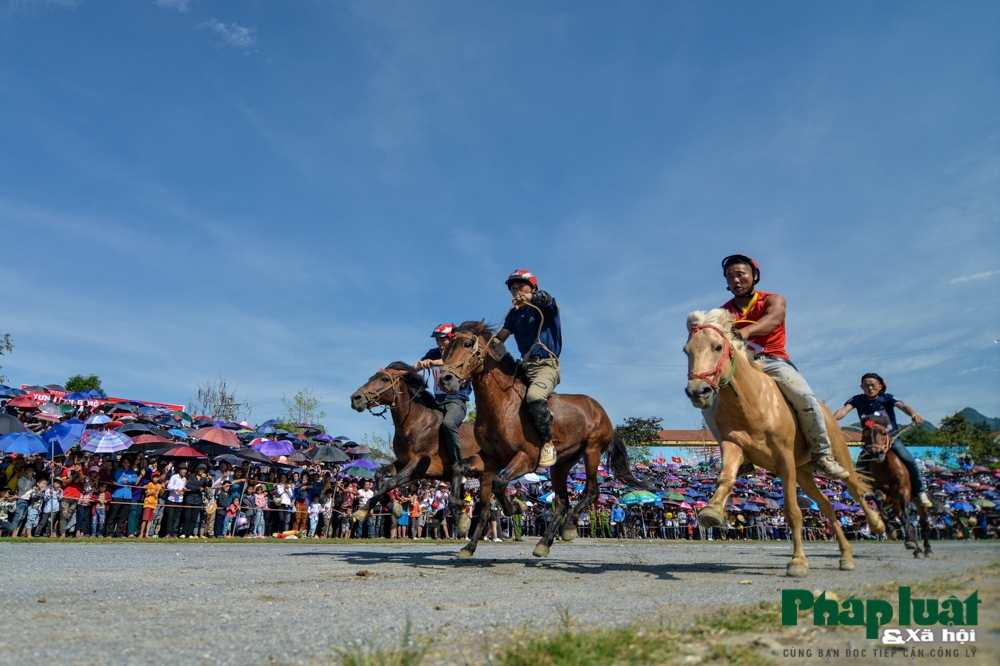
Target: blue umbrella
750, 506
98, 419
62, 436
23, 443
547, 498
177, 433
961, 506
77, 395
267, 429
94, 394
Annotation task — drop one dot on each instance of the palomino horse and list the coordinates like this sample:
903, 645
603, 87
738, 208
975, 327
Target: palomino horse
752, 421
509, 445
891, 481
417, 421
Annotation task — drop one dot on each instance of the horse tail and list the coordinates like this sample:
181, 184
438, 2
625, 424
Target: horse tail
619, 465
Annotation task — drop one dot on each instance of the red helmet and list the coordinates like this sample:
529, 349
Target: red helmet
523, 276
742, 259
444, 331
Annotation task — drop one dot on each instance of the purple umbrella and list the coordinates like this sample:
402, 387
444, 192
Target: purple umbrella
272, 449
323, 438
840, 506
367, 464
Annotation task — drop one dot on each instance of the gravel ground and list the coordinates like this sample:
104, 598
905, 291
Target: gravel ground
288, 602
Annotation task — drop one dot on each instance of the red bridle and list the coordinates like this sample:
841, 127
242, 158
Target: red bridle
712, 376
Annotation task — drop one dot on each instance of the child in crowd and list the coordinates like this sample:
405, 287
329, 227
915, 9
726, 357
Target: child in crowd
231, 511
260, 504
36, 500
301, 514
149, 503
328, 508
50, 509
101, 501
315, 509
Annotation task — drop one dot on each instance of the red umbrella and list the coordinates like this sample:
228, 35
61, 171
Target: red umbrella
217, 436
143, 441
180, 452
758, 500
25, 403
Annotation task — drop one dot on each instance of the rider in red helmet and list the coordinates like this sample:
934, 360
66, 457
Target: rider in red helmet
538, 334
454, 405
759, 318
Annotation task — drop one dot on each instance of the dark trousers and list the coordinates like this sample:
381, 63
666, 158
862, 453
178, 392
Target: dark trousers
47, 525
171, 518
117, 521
454, 414
83, 518
191, 519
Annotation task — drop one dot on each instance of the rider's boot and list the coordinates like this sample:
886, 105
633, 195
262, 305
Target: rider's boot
925, 500
542, 417
829, 466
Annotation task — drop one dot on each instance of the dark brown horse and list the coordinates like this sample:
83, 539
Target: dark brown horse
508, 443
890, 482
416, 442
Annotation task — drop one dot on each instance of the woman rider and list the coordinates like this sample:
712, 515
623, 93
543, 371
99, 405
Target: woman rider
876, 402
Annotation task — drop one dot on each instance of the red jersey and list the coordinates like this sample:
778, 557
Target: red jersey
772, 344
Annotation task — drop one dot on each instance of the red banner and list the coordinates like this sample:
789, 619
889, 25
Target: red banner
57, 396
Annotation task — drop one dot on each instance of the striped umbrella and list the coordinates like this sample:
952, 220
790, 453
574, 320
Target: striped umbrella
104, 441
98, 419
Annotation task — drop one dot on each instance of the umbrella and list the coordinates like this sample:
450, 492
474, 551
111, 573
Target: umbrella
984, 503
9, 392
104, 441
143, 442
758, 500
675, 496
360, 471
367, 464
24, 403
23, 443
76, 396
641, 497
62, 436
94, 393
177, 433
133, 429
840, 506
961, 506
531, 477
327, 454
211, 448
34, 388
178, 452
358, 451
547, 498
98, 419
273, 449
323, 437
217, 435
254, 456
752, 508
50, 408
9, 424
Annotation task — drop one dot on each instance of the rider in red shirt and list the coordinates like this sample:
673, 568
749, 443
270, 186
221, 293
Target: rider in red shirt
759, 318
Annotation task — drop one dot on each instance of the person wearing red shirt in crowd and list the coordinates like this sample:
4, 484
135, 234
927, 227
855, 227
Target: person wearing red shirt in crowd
72, 490
759, 318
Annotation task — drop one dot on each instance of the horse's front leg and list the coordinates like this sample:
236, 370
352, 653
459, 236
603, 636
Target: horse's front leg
810, 489
714, 514
798, 566
485, 499
926, 529
909, 533
560, 506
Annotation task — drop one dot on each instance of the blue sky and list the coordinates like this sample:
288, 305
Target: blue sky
294, 194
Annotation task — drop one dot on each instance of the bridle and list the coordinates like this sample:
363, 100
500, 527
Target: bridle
871, 446
372, 397
712, 376
464, 369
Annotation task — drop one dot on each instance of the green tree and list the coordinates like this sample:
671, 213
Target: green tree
918, 437
639, 435
303, 407
959, 438
6, 347
471, 416
83, 383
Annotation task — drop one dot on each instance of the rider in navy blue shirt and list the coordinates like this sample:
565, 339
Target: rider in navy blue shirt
876, 402
454, 405
533, 320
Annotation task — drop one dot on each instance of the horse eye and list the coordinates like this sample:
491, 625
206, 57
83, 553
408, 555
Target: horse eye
718, 347
468, 345
385, 379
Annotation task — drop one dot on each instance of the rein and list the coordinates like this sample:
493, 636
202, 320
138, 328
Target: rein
712, 376
372, 396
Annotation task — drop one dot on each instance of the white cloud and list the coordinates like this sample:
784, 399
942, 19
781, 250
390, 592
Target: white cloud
233, 34
179, 5
977, 276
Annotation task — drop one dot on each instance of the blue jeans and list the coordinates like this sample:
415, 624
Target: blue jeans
97, 522
313, 520
20, 511
258, 523
34, 515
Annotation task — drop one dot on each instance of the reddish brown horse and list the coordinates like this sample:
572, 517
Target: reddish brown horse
416, 443
509, 445
891, 481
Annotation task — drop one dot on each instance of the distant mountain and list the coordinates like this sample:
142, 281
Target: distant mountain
976, 417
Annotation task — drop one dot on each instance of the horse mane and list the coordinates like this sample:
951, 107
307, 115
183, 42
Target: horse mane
718, 317
506, 362
415, 381
877, 419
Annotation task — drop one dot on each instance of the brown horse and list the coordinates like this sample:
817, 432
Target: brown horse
509, 444
416, 443
891, 481
752, 421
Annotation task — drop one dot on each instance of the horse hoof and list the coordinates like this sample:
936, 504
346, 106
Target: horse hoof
464, 554
541, 550
847, 565
797, 570
568, 535
464, 523
360, 515
918, 555
709, 517
909, 545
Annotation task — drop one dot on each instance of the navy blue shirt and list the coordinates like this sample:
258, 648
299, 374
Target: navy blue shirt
883, 405
463, 393
523, 323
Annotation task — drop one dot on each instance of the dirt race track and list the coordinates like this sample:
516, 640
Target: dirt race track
288, 602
